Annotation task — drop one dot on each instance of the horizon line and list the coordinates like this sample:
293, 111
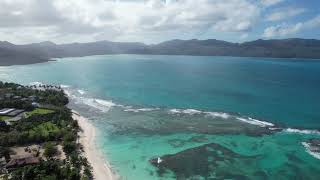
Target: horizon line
150, 44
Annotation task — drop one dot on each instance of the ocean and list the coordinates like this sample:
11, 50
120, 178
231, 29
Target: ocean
204, 117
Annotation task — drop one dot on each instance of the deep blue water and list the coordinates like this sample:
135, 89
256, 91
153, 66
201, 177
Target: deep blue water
283, 91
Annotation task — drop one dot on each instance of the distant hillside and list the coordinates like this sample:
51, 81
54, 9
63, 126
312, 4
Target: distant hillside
287, 48
11, 54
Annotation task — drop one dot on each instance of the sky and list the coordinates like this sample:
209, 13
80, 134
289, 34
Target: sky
154, 21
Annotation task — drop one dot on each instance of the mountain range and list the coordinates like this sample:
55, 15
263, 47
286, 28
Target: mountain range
11, 54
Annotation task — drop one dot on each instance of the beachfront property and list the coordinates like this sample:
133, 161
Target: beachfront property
11, 112
20, 162
5, 111
34, 135
43, 87
9, 115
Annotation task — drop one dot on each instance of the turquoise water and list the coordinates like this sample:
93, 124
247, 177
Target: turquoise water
149, 106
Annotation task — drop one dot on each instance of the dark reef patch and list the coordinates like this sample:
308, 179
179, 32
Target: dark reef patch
160, 122
198, 139
210, 161
176, 143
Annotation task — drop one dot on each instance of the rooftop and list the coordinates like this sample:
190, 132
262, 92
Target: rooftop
22, 162
5, 111
11, 112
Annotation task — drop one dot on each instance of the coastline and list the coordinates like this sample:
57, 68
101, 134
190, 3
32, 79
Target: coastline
101, 169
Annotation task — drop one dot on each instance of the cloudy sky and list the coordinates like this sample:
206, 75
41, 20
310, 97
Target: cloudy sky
153, 21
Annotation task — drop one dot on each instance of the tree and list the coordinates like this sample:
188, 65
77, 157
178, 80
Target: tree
50, 150
69, 137
5, 152
69, 147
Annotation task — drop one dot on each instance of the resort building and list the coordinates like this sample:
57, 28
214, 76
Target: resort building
20, 162
35, 104
5, 111
12, 112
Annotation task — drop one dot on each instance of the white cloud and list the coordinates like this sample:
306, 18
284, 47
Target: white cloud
287, 29
284, 13
123, 20
268, 3
313, 23
282, 30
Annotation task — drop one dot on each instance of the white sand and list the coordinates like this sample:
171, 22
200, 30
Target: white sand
101, 168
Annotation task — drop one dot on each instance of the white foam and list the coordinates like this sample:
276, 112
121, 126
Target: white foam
309, 150
140, 110
184, 111
255, 122
191, 111
69, 94
274, 129
104, 103
99, 104
64, 86
218, 114
175, 111
82, 92
304, 131
36, 83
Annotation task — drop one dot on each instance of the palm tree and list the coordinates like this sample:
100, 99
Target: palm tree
5, 152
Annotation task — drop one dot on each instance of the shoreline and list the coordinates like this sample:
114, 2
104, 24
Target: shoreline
101, 169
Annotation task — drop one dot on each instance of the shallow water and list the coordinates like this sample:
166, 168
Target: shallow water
150, 106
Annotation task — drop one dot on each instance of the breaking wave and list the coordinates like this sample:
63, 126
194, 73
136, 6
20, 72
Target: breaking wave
302, 131
82, 92
222, 115
255, 122
184, 111
310, 151
218, 114
64, 86
79, 97
140, 110
36, 83
98, 104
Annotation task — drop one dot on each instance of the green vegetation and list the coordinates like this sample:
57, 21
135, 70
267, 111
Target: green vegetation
5, 152
39, 129
50, 150
47, 170
2, 118
44, 130
37, 111
44, 127
10, 91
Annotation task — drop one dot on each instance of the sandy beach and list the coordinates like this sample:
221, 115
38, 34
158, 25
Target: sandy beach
101, 168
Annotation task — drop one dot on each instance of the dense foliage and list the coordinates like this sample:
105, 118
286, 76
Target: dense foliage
39, 128
47, 97
48, 128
